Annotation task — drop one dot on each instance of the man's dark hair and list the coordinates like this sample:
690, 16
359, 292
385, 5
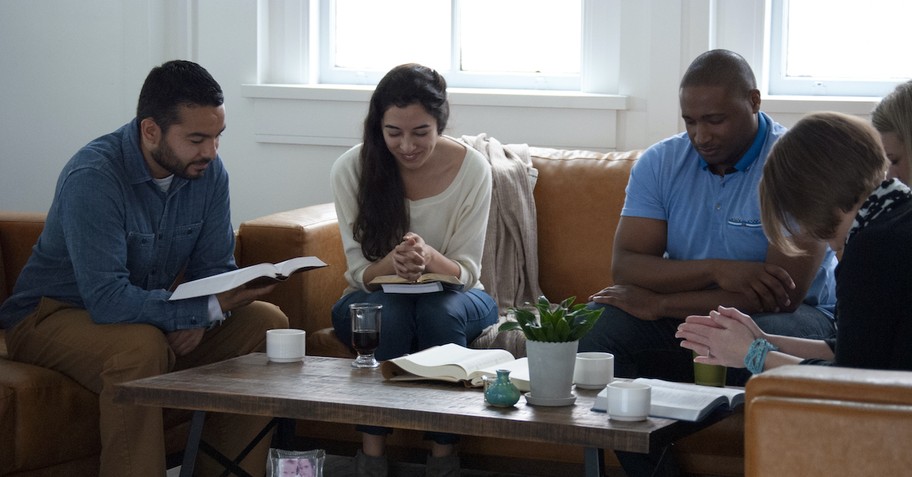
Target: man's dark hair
173, 84
720, 68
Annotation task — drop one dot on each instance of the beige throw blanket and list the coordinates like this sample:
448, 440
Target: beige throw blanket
509, 266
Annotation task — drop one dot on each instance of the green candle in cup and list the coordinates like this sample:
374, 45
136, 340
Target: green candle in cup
709, 374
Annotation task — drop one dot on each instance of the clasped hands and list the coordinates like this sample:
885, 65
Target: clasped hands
723, 337
764, 286
411, 257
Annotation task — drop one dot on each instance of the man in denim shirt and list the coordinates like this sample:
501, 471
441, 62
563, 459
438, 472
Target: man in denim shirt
134, 212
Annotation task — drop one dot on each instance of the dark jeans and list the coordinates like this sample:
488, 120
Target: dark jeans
649, 348
411, 323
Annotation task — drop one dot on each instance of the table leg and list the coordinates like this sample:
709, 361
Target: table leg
593, 461
193, 440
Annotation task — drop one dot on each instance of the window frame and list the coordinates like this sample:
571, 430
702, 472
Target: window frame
598, 69
781, 85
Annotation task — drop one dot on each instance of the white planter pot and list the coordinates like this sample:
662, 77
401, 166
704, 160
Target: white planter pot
551, 369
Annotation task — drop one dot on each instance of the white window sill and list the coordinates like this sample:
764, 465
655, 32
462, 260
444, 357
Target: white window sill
859, 105
459, 96
331, 115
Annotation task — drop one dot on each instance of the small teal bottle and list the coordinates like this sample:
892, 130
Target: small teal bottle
502, 392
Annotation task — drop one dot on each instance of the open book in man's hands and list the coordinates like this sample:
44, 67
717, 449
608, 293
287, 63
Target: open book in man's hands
682, 401
454, 363
426, 283
261, 274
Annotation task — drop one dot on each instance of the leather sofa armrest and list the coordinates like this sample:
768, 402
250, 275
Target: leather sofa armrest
307, 298
817, 420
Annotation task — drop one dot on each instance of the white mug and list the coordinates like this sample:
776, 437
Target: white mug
628, 401
593, 370
285, 345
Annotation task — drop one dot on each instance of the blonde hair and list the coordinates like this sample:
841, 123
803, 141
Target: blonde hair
826, 164
894, 115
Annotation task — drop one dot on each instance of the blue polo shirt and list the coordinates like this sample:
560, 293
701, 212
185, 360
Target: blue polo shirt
711, 216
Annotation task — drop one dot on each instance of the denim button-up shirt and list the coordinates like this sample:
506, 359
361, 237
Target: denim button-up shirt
114, 243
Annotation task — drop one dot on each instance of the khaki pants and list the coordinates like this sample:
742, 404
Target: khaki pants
62, 337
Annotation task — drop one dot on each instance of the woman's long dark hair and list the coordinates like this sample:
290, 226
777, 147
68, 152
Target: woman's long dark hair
382, 214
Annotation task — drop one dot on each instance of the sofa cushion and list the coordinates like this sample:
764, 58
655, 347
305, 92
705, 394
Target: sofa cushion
18, 233
44, 417
577, 198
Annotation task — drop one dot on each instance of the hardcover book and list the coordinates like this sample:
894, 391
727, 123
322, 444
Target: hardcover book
261, 274
454, 363
682, 401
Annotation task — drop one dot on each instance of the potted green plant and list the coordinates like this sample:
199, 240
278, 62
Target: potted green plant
552, 336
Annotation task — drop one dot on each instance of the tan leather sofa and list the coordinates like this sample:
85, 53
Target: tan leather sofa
48, 422
578, 196
824, 421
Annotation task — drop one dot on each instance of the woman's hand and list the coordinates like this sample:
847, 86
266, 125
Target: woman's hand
721, 338
411, 256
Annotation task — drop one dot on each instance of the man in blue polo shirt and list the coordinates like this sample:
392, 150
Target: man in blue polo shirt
690, 237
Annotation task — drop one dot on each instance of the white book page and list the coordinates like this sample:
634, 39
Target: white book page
448, 356
519, 373
223, 281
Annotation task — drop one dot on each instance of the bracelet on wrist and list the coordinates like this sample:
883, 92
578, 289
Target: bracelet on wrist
756, 355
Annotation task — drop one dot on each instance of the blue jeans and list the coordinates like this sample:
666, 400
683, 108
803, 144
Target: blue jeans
411, 323
649, 348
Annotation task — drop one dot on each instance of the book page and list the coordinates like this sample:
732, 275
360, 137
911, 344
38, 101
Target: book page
437, 277
424, 278
252, 274
519, 373
733, 396
429, 287
450, 361
223, 281
681, 404
292, 265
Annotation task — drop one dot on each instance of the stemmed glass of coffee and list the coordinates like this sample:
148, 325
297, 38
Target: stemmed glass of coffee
365, 320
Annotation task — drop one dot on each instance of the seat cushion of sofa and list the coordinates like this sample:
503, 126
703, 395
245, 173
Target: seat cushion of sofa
45, 418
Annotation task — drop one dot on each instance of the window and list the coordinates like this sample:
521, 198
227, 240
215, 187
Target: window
529, 44
839, 47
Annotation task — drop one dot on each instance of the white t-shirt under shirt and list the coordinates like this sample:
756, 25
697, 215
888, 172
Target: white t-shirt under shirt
453, 222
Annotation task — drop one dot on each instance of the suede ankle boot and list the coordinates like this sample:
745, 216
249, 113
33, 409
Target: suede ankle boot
442, 466
367, 466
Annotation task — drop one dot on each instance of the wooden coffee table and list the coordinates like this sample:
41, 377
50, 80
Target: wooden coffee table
329, 390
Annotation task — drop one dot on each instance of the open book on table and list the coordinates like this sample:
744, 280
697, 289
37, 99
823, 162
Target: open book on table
455, 363
682, 401
426, 283
261, 274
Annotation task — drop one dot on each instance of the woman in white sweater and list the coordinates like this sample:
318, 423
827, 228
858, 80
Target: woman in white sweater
410, 201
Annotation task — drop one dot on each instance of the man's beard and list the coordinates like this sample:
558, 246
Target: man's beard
164, 156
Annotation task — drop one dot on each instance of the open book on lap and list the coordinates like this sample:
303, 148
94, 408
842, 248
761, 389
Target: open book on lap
426, 283
261, 274
455, 363
682, 401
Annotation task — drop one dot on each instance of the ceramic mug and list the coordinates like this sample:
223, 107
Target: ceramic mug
628, 401
285, 345
593, 370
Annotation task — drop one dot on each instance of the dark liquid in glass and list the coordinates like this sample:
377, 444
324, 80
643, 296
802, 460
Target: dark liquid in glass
365, 342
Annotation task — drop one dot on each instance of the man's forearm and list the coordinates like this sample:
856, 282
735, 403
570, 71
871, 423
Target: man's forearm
683, 304
662, 275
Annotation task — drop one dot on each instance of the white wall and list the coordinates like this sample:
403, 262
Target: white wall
71, 71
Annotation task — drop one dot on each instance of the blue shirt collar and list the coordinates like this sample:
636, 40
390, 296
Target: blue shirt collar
754, 151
